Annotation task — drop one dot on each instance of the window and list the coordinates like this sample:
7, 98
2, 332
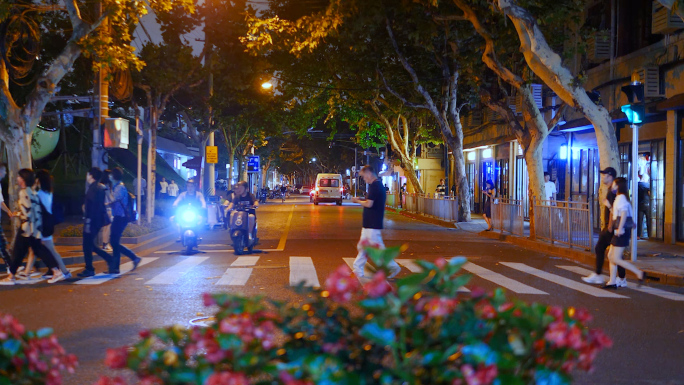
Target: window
657, 175
680, 192
470, 174
329, 183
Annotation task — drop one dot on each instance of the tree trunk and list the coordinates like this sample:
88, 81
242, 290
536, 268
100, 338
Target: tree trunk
231, 166
151, 163
454, 140
535, 169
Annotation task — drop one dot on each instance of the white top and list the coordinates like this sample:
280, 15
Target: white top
143, 186
46, 200
163, 186
621, 207
550, 189
173, 189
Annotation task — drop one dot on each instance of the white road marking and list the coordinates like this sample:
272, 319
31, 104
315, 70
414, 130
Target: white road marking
103, 277
302, 269
643, 289
414, 268
172, 274
216, 251
238, 277
557, 279
368, 271
508, 283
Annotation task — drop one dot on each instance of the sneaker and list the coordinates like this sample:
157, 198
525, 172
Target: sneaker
136, 262
68, 275
594, 278
86, 274
8, 281
108, 248
621, 282
57, 277
47, 275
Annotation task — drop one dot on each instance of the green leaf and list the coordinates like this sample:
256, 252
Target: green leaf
407, 292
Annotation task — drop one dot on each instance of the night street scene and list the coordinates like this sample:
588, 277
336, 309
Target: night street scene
323, 192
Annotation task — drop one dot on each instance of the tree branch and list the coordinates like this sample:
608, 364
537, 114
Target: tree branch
398, 96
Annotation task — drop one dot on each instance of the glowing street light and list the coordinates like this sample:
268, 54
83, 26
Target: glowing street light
267, 85
313, 159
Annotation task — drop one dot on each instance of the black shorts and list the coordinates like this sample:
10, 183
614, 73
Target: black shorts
488, 210
622, 240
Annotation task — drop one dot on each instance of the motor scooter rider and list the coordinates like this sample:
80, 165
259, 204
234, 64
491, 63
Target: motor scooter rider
190, 196
243, 196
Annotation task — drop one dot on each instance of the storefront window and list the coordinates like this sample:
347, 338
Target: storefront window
680, 191
657, 176
470, 174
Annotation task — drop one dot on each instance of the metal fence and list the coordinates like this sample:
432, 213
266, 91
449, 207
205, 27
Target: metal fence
569, 223
444, 208
508, 215
392, 201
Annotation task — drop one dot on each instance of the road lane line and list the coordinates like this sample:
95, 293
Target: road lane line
302, 269
557, 279
240, 275
644, 289
245, 261
283, 238
103, 277
510, 284
172, 274
368, 271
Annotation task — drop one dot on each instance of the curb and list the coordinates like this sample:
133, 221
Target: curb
575, 255
423, 218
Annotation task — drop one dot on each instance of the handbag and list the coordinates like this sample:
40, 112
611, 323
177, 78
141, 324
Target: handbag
629, 222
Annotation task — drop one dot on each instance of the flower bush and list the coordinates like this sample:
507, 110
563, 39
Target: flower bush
420, 331
28, 357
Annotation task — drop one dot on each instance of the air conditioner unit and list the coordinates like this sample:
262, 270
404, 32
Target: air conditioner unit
598, 47
536, 95
650, 77
663, 21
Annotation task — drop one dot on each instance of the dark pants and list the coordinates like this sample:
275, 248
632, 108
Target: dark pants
21, 249
644, 213
89, 246
601, 245
3, 249
118, 226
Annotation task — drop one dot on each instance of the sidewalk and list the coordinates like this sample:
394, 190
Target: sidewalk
663, 262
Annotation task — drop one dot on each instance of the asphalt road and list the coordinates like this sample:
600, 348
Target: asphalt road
647, 326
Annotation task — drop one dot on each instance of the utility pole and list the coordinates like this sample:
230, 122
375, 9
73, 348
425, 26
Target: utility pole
102, 109
210, 141
138, 187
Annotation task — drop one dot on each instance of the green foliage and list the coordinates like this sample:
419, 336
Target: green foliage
421, 331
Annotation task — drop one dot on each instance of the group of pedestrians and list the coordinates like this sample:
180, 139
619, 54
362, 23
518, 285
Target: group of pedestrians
35, 231
616, 233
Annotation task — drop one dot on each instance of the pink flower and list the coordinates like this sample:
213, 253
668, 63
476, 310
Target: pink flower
600, 339
116, 358
208, 300
227, 378
151, 380
110, 381
440, 263
574, 337
342, 285
556, 334
583, 315
440, 306
289, 379
378, 286
486, 310
482, 376
556, 312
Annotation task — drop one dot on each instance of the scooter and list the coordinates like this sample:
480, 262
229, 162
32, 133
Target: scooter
189, 220
263, 196
239, 229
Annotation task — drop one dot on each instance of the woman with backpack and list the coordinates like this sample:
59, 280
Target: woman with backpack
623, 221
29, 234
106, 231
44, 185
121, 212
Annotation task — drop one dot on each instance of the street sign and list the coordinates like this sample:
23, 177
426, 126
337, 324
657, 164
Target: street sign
212, 154
253, 164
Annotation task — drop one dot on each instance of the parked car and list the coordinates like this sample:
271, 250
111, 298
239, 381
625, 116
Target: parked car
306, 190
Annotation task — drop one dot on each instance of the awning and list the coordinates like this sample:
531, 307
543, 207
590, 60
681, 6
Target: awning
173, 147
194, 163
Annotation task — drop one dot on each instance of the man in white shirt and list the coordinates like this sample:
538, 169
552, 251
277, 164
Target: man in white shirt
163, 188
173, 189
549, 189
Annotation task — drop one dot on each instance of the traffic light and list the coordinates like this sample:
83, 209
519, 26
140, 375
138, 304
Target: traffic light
635, 113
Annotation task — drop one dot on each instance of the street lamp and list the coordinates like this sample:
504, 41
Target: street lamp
313, 159
267, 85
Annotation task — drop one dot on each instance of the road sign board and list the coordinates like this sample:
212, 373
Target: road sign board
212, 154
253, 164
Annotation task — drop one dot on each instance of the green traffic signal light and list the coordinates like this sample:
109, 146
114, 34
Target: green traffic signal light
635, 113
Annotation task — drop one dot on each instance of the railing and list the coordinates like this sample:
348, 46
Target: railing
569, 223
508, 216
444, 208
392, 201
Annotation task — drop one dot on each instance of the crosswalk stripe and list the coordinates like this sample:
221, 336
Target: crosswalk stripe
368, 271
569, 283
102, 277
172, 274
643, 289
302, 269
508, 283
414, 268
238, 274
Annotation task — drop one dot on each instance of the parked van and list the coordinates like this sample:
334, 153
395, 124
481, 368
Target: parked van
328, 188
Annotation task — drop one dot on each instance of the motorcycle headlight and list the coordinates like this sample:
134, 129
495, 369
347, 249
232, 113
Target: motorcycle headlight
189, 216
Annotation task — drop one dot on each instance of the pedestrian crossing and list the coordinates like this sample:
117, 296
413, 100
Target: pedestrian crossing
519, 278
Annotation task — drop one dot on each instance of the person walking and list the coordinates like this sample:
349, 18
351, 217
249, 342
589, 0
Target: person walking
163, 189
549, 190
95, 217
373, 216
489, 195
28, 236
105, 232
118, 206
4, 253
623, 221
608, 176
644, 206
173, 189
44, 184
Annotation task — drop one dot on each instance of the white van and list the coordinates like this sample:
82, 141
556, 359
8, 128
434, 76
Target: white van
328, 188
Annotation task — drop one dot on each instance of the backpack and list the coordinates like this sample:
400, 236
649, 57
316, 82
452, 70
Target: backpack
130, 213
48, 222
